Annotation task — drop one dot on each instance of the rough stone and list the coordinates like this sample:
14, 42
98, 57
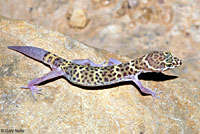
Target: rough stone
66, 108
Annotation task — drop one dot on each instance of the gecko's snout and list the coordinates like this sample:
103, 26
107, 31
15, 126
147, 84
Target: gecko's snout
176, 62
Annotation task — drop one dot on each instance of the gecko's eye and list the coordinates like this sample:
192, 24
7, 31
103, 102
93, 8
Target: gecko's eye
168, 55
169, 60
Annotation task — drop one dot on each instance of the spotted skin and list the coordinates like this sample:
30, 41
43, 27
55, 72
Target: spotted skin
87, 73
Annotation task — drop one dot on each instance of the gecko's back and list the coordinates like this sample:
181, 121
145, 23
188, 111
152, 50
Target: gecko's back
83, 74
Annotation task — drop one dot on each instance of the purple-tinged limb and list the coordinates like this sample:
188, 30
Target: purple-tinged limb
32, 84
91, 63
113, 62
145, 90
87, 62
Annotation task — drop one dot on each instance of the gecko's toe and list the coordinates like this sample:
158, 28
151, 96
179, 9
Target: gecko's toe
33, 90
24, 87
156, 93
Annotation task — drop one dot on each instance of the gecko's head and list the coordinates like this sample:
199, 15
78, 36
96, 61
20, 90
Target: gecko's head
160, 61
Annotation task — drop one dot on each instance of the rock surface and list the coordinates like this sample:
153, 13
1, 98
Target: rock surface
66, 108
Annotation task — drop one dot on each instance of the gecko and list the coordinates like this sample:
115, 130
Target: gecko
85, 72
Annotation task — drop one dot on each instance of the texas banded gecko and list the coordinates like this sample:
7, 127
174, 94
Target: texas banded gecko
86, 73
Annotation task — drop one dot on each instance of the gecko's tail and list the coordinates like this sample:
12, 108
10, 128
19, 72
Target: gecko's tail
33, 52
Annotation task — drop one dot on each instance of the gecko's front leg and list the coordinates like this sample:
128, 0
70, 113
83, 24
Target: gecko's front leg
142, 88
32, 84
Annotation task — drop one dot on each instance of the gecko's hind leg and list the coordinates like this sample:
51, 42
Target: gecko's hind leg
32, 84
87, 62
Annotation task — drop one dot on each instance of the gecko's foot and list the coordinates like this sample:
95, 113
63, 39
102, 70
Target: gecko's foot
33, 90
155, 93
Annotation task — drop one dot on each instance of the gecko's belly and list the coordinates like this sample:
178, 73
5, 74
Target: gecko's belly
90, 83
96, 84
